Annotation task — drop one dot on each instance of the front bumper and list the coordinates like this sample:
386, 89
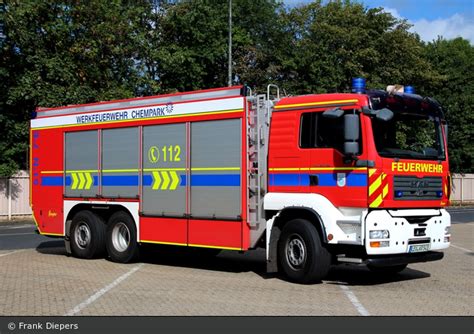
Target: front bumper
395, 260
404, 227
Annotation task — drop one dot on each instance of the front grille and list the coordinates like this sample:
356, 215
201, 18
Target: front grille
413, 188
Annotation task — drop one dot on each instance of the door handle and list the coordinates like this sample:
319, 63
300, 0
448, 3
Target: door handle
313, 180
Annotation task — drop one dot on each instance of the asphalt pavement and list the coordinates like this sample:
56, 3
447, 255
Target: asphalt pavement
37, 278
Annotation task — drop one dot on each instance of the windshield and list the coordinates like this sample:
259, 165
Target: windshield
410, 136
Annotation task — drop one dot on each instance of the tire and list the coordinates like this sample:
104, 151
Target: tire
87, 235
392, 270
121, 240
302, 256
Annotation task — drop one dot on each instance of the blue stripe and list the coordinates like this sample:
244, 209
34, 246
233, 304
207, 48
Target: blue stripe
119, 180
51, 180
215, 180
324, 179
201, 180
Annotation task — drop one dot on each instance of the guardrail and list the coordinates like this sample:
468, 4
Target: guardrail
15, 192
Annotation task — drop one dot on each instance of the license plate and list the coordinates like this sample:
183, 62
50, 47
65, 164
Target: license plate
419, 248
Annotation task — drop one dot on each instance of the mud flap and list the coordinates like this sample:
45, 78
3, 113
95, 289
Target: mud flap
67, 239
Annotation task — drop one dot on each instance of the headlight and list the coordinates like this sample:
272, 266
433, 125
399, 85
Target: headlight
379, 234
447, 230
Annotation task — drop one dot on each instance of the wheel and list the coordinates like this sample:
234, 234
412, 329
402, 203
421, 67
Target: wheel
121, 238
302, 256
87, 235
387, 270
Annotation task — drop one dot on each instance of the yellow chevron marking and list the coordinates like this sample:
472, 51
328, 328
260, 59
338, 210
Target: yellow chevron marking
174, 180
372, 171
157, 182
166, 180
74, 181
376, 202
89, 180
82, 181
375, 185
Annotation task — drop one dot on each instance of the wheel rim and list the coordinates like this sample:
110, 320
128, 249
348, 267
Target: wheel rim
295, 252
121, 237
82, 235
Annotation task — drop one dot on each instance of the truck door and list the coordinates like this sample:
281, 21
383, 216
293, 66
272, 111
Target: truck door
329, 173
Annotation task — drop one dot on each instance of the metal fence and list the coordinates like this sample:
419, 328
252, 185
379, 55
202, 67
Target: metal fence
15, 192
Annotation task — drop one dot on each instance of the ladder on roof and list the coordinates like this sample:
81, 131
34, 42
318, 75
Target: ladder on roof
258, 125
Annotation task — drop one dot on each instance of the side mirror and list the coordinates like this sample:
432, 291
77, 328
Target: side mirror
351, 134
384, 114
333, 113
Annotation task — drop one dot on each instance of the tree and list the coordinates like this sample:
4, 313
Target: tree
454, 59
334, 42
58, 53
195, 39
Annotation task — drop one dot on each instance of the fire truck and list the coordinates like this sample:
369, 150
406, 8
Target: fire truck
317, 180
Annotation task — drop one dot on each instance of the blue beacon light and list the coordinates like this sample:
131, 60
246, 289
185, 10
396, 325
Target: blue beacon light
409, 90
358, 85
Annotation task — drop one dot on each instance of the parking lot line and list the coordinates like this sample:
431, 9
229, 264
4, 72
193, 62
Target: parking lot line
15, 251
78, 308
461, 248
353, 299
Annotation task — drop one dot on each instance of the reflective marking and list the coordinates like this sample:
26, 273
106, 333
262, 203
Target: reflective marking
214, 168
353, 299
215, 247
372, 171
78, 308
163, 243
289, 169
81, 180
166, 180
157, 180
375, 185
139, 120
74, 181
313, 103
174, 180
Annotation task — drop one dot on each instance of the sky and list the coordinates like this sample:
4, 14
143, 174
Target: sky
430, 18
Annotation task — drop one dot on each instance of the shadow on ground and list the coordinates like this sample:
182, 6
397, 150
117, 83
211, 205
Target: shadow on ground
253, 261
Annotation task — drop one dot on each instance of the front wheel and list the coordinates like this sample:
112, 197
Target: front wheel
121, 242
302, 256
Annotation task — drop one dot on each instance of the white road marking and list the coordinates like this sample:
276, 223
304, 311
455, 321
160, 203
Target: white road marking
352, 297
15, 251
461, 248
14, 227
12, 234
78, 308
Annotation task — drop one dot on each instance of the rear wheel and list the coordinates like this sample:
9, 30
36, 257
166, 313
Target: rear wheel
87, 235
387, 270
121, 238
302, 256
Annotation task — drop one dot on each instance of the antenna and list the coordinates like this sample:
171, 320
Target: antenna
229, 83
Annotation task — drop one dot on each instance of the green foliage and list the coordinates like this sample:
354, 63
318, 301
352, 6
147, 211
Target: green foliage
454, 59
68, 52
